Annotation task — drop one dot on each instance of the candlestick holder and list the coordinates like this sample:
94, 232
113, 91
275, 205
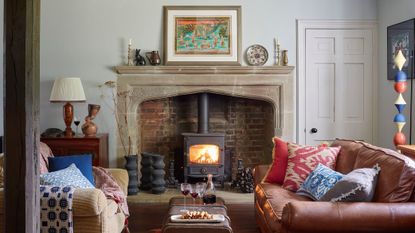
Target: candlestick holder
277, 55
129, 59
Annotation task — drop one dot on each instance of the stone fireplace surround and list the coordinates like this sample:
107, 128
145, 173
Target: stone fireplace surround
273, 84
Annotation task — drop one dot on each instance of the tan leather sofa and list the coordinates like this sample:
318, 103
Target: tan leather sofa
92, 211
392, 209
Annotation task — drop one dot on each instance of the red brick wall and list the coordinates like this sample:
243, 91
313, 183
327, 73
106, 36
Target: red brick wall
247, 124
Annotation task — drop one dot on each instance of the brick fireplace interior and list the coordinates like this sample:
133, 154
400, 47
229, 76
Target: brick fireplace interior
247, 124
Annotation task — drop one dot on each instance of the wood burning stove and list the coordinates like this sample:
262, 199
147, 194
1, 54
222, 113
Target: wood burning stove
203, 151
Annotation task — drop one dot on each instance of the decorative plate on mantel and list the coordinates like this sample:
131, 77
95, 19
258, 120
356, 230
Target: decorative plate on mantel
256, 55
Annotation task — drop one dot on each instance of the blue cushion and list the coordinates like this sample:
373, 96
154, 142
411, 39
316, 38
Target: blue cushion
320, 180
70, 176
82, 162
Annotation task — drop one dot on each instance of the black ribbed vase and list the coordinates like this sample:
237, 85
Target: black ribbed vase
131, 167
158, 184
146, 171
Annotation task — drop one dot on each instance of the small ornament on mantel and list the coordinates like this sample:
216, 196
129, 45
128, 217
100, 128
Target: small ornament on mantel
130, 54
284, 58
277, 53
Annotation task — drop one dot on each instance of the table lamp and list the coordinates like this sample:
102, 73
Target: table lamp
67, 90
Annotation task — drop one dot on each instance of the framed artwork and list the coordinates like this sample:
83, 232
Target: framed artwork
401, 37
202, 35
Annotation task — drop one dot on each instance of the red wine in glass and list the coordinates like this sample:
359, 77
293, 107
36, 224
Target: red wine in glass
194, 195
76, 122
185, 188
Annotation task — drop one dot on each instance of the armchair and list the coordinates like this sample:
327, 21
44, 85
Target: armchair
92, 211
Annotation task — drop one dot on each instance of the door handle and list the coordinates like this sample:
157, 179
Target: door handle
313, 130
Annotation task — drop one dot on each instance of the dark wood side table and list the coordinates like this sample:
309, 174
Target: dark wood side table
408, 150
97, 146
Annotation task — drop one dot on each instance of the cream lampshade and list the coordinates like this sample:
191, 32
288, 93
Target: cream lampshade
67, 90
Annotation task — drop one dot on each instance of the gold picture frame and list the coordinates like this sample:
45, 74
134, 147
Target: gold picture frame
202, 35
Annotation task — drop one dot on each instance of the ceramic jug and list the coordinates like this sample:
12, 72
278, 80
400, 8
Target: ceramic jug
153, 57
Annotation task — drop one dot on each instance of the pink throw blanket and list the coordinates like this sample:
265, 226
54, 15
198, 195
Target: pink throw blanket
106, 182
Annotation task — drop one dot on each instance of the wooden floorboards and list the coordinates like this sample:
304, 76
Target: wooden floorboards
146, 218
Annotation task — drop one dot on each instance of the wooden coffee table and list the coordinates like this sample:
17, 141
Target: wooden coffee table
176, 204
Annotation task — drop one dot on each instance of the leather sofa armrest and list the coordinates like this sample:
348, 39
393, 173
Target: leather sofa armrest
259, 173
121, 177
348, 217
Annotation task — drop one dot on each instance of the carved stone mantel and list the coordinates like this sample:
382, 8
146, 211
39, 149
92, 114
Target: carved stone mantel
141, 83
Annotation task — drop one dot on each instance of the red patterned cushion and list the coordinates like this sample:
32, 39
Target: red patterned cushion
276, 172
304, 159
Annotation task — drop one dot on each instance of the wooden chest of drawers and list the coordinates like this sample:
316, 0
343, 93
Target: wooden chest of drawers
97, 146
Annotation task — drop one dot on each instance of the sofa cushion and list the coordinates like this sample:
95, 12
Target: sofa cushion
357, 186
320, 180
303, 159
396, 181
276, 171
347, 155
83, 163
70, 176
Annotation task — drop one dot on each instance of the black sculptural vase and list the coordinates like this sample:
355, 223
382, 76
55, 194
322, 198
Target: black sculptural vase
158, 184
131, 167
146, 171
139, 60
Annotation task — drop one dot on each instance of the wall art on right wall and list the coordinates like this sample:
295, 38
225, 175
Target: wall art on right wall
401, 37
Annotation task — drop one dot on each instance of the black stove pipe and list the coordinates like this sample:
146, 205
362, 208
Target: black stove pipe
203, 113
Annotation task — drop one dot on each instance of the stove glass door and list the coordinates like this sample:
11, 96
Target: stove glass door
204, 154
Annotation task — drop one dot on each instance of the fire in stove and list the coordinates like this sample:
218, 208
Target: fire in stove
204, 154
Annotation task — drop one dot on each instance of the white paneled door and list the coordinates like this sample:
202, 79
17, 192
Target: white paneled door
338, 85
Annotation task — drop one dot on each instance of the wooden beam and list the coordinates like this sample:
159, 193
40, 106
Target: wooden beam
21, 115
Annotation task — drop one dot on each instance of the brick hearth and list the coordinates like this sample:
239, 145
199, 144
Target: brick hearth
247, 124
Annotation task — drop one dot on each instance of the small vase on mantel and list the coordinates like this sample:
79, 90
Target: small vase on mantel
131, 166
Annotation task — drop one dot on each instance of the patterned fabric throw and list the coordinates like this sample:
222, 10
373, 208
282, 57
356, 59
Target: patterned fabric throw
106, 182
56, 209
320, 180
304, 159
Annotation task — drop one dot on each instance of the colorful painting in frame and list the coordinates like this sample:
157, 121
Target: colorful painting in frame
202, 35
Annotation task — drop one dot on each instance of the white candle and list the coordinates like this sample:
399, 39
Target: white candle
130, 42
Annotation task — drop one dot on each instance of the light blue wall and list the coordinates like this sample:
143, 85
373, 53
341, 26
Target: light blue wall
87, 38
390, 12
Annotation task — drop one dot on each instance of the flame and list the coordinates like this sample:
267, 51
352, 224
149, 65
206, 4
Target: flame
204, 154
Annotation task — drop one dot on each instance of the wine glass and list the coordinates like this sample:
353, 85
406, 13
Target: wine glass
185, 188
76, 122
200, 189
193, 193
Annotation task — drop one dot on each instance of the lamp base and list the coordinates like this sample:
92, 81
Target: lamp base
68, 118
